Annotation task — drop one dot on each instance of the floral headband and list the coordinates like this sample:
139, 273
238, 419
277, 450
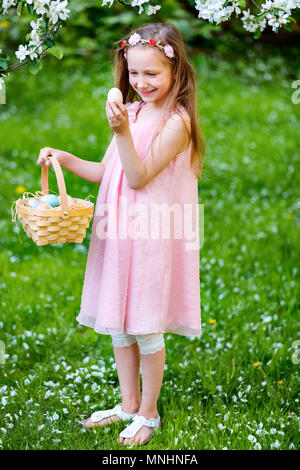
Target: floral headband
136, 38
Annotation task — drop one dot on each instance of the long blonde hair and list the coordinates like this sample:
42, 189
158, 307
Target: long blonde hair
183, 91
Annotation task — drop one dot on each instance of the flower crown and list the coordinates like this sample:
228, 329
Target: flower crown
136, 38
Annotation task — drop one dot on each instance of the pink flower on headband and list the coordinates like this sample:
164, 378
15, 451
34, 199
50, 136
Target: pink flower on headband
169, 51
134, 39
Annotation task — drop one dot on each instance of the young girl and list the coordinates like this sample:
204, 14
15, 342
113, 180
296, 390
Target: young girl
137, 288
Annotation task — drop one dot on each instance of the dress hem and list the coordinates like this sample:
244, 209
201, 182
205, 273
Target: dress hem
183, 331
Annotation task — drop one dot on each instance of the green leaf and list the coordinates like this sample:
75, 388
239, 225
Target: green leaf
291, 19
49, 42
242, 3
35, 67
29, 8
3, 64
46, 25
57, 51
257, 33
19, 8
262, 15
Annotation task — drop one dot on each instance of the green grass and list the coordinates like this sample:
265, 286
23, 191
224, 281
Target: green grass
56, 371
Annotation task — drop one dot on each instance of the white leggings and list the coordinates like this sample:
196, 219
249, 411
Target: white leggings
148, 344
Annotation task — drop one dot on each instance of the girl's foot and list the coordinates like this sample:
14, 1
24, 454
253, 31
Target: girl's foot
89, 423
142, 436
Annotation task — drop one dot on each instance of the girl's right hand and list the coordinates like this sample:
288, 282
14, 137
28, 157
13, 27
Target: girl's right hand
46, 152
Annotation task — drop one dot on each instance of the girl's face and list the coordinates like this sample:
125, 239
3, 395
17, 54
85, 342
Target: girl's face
149, 75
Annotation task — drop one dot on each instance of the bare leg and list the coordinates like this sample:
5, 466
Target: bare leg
128, 368
152, 376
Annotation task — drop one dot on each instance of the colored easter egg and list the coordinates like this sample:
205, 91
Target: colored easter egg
115, 94
43, 206
32, 202
51, 199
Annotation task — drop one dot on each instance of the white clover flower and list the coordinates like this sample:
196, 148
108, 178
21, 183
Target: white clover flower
275, 444
257, 446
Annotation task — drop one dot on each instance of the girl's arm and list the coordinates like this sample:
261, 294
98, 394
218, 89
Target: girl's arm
90, 171
173, 140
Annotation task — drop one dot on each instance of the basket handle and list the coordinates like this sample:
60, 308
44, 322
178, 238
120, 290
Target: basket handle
60, 182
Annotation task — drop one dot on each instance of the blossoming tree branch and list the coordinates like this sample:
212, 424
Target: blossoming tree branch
49, 16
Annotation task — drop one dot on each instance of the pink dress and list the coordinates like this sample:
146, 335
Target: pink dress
143, 283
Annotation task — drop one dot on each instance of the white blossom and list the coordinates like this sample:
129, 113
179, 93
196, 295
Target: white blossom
214, 11
139, 3
278, 20
39, 6
21, 54
6, 4
105, 2
153, 9
58, 10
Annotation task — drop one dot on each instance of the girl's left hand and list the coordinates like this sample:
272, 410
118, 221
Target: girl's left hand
117, 116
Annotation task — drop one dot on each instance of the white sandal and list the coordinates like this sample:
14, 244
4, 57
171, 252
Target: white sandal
137, 424
117, 410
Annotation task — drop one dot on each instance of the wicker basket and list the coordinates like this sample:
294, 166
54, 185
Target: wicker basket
65, 225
